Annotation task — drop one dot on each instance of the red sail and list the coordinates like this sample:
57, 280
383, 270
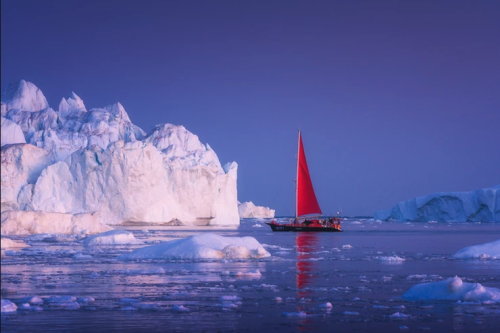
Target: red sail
306, 199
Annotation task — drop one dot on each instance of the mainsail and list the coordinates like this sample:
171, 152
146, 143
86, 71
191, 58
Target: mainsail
307, 203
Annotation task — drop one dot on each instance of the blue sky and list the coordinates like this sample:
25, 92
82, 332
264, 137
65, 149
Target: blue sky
395, 99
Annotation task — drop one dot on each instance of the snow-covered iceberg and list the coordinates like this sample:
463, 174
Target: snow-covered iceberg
15, 222
78, 161
452, 289
249, 210
483, 251
482, 205
206, 246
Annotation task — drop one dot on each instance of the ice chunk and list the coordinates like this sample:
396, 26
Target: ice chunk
249, 210
7, 243
392, 260
347, 247
8, 306
179, 309
452, 289
11, 133
350, 313
203, 246
34, 300
28, 223
112, 237
326, 305
294, 314
483, 251
399, 315
81, 256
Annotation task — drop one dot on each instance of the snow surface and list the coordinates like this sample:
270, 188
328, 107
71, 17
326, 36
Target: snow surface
482, 205
453, 289
249, 210
37, 222
112, 237
98, 161
483, 251
203, 246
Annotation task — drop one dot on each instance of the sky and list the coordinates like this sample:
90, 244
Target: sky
395, 99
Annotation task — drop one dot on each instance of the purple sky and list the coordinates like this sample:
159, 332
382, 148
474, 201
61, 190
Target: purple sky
395, 99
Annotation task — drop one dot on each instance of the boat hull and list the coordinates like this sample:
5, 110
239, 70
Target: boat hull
278, 227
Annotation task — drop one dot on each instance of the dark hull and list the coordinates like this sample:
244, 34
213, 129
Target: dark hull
277, 227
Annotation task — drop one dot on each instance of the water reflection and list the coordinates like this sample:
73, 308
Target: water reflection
306, 244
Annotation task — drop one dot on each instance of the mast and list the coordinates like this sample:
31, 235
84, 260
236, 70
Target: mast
297, 179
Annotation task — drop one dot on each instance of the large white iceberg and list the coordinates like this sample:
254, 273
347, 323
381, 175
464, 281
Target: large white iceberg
78, 161
483, 251
15, 222
249, 210
482, 205
203, 246
452, 289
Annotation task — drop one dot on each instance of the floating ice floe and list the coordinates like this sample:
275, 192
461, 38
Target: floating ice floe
112, 237
392, 260
399, 315
257, 225
34, 300
8, 306
483, 251
350, 313
326, 305
250, 274
204, 246
347, 247
179, 309
453, 289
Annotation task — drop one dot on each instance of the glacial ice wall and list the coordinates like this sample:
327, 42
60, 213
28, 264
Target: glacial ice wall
482, 205
78, 161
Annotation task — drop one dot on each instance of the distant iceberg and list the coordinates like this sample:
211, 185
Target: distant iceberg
249, 210
482, 205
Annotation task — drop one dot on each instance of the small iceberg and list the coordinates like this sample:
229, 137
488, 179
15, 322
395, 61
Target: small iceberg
483, 251
112, 237
452, 289
205, 246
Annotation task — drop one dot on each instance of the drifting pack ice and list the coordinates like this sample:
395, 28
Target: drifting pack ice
482, 205
249, 210
75, 161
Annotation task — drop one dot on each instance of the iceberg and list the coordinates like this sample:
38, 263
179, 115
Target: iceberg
452, 289
483, 251
76, 161
37, 222
112, 237
249, 210
8, 306
207, 246
482, 205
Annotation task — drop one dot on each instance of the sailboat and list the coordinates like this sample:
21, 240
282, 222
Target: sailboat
307, 210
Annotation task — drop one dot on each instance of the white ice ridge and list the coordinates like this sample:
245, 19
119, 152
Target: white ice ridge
203, 246
482, 205
249, 210
452, 289
483, 251
79, 161
112, 237
7, 243
37, 222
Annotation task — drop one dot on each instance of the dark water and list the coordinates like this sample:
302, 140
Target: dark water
306, 270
